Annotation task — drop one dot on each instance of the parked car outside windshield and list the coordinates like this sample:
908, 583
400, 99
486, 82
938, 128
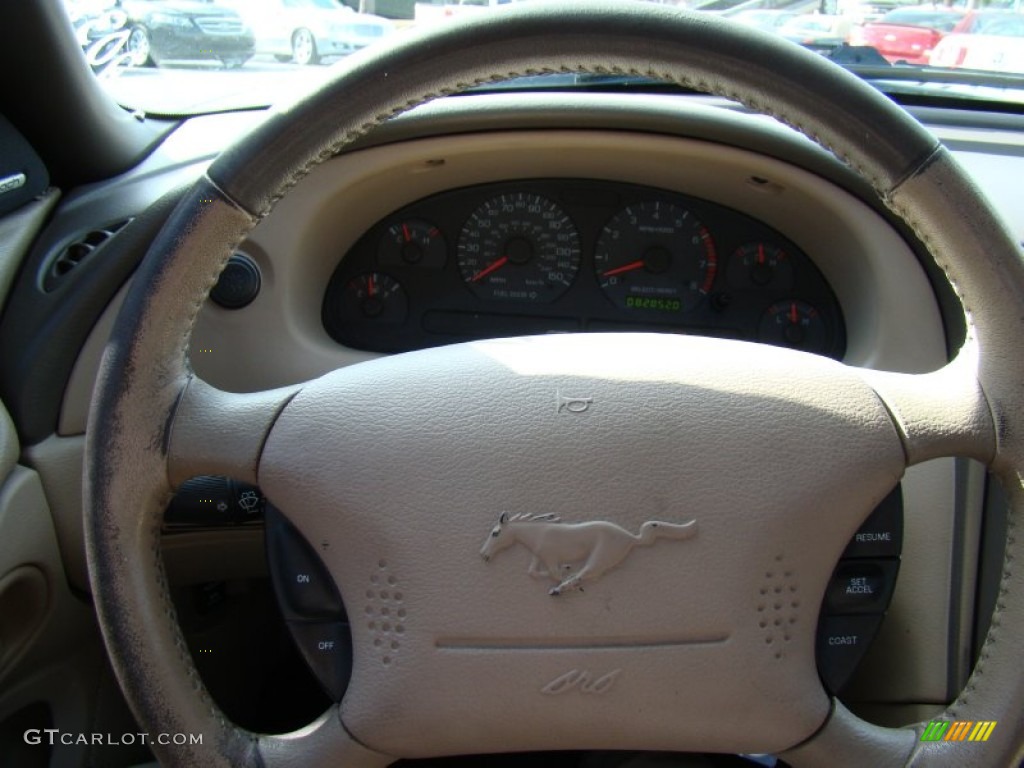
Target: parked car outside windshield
159, 59
984, 40
908, 35
309, 31
166, 31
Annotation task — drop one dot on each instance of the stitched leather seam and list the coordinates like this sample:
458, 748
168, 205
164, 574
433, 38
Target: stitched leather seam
963, 699
212, 277
696, 84
992, 637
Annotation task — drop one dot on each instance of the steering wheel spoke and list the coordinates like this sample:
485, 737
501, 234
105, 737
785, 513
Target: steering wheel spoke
322, 744
943, 413
221, 433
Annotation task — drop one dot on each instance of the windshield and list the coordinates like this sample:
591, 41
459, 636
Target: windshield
179, 57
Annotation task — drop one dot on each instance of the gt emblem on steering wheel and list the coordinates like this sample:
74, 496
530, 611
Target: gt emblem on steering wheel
571, 553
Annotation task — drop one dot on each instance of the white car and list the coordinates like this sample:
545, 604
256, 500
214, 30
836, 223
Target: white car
995, 43
308, 31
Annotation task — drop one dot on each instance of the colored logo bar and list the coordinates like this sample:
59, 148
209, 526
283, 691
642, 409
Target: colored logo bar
958, 730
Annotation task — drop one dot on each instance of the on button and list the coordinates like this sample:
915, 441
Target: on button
303, 584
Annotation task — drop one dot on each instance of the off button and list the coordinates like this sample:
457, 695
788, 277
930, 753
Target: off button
861, 586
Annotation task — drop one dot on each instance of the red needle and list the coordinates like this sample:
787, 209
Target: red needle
638, 264
760, 253
794, 318
405, 233
370, 288
488, 269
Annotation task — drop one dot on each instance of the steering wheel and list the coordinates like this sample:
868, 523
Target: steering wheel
406, 465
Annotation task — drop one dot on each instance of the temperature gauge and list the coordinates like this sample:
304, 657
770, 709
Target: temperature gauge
376, 297
794, 324
414, 242
760, 265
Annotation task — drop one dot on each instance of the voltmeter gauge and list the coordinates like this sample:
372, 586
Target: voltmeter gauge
795, 324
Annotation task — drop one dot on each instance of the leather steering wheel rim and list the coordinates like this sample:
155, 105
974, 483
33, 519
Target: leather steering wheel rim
973, 407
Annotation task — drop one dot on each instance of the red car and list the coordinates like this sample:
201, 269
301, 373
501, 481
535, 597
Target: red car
909, 35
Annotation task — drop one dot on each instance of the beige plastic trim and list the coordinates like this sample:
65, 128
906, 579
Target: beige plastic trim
29, 541
59, 464
892, 319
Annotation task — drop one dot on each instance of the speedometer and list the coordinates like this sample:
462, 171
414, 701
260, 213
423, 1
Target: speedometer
519, 247
655, 256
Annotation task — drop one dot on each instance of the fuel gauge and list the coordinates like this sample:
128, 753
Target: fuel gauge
376, 297
795, 324
413, 242
760, 265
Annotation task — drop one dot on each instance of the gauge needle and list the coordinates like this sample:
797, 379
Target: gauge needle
496, 265
760, 253
370, 287
638, 264
405, 233
794, 318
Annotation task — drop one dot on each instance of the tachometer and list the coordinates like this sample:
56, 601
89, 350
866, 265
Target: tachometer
520, 247
655, 256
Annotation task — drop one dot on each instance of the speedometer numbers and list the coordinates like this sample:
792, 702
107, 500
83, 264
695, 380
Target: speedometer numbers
519, 247
655, 256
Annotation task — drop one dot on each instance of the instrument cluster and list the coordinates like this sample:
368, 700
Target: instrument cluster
546, 256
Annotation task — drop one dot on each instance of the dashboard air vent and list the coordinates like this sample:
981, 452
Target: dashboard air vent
77, 251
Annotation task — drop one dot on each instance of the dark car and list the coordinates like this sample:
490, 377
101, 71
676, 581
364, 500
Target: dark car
165, 31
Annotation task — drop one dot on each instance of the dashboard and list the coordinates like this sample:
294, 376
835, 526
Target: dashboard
518, 214
569, 255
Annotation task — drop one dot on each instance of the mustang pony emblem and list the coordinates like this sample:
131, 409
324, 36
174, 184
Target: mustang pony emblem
571, 553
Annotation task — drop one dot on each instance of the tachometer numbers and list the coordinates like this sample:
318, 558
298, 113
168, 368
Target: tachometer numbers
519, 247
655, 256
794, 324
760, 265
414, 242
376, 297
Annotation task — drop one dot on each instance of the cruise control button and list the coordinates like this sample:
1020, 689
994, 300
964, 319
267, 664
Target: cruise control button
861, 586
327, 648
305, 588
881, 535
842, 643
